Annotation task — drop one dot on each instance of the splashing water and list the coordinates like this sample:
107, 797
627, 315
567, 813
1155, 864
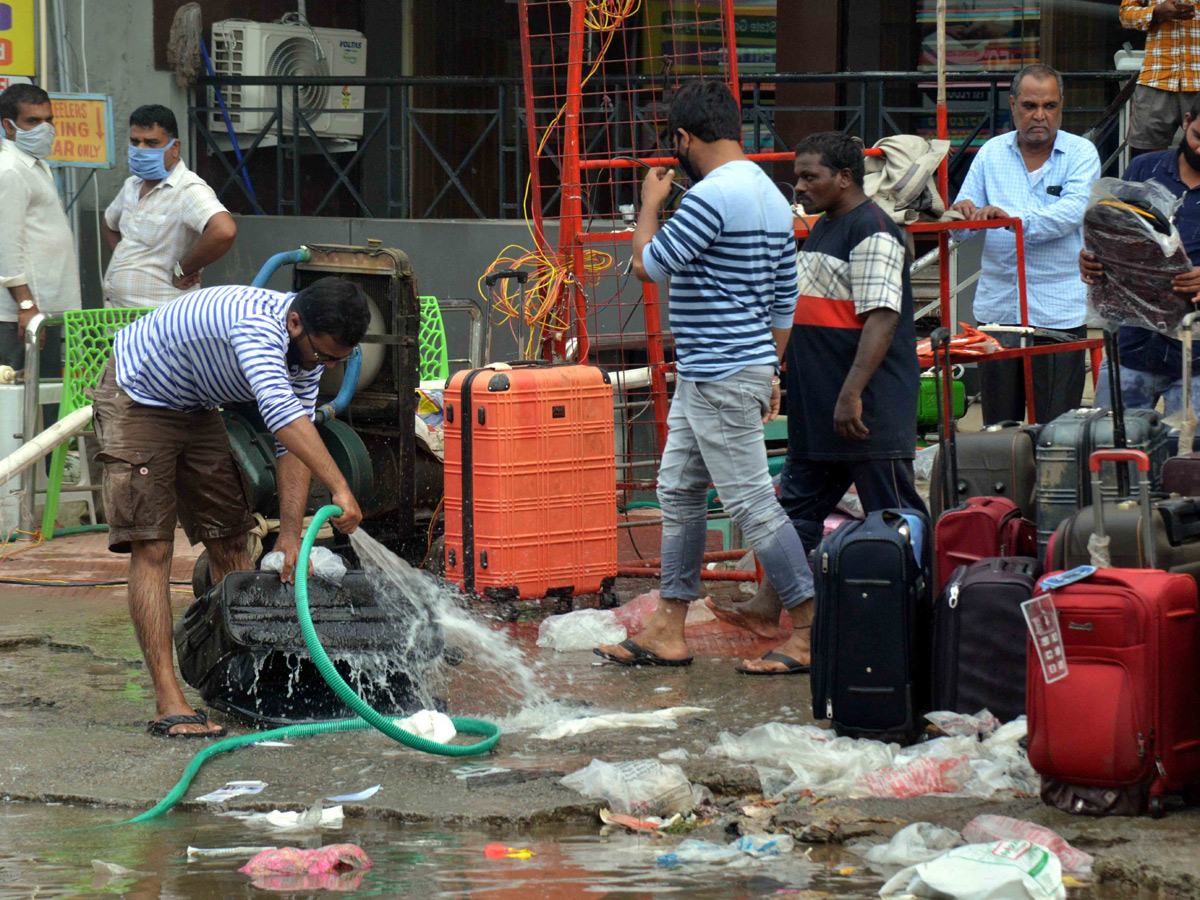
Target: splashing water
485, 648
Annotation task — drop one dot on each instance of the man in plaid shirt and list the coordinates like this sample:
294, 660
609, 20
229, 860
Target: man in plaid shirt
1170, 78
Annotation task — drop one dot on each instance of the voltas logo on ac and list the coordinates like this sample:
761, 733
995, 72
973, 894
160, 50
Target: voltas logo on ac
350, 45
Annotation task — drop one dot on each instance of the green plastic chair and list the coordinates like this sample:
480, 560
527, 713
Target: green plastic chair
435, 361
89, 335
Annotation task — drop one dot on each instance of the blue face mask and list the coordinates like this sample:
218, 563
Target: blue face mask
147, 162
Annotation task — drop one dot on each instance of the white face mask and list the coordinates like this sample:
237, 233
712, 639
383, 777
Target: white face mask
38, 141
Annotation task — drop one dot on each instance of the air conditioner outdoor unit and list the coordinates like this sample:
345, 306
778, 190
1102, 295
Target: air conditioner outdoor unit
244, 48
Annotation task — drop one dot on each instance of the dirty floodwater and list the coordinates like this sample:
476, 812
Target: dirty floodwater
73, 754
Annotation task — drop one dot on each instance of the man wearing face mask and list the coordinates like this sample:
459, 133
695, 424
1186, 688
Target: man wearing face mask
166, 224
166, 453
1152, 363
39, 271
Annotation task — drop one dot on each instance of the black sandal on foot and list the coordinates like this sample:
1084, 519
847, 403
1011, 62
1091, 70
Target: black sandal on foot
162, 727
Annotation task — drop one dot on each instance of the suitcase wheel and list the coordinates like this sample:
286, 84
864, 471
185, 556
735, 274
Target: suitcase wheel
1156, 807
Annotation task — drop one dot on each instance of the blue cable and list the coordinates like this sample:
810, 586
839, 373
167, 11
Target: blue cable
237, 151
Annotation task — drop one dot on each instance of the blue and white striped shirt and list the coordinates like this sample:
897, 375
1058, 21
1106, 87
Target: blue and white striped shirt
730, 252
1050, 204
213, 346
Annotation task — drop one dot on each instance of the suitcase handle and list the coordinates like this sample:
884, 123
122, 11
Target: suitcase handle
1119, 455
492, 277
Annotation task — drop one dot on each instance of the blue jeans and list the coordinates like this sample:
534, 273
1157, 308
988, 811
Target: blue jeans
1142, 390
716, 435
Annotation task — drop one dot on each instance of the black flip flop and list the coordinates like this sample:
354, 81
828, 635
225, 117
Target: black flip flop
641, 657
794, 666
162, 727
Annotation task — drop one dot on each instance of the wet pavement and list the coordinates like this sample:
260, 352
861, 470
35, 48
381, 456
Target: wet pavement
74, 699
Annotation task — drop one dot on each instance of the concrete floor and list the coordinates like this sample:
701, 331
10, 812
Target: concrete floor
74, 699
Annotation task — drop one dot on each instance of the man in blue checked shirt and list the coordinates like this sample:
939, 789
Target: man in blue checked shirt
166, 454
1041, 175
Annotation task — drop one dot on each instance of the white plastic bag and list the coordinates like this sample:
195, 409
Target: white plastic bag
962, 725
1007, 870
429, 724
1001, 828
916, 843
326, 564
642, 787
582, 629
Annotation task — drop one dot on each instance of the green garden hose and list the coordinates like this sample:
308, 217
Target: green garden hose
369, 717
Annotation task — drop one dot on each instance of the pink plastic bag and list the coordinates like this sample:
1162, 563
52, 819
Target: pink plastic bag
989, 828
919, 777
338, 867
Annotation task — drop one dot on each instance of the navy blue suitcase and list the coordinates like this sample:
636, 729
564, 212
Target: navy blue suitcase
871, 631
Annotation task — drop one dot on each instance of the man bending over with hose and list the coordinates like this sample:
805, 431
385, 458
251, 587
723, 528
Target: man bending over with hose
166, 453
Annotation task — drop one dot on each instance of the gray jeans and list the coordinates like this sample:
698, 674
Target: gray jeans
716, 435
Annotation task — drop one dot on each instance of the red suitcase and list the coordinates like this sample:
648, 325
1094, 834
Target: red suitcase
1123, 727
981, 528
530, 475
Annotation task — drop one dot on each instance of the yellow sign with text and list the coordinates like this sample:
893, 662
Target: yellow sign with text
16, 38
83, 123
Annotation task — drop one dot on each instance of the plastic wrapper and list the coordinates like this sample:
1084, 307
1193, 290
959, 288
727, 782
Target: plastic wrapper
582, 629
915, 843
1098, 551
326, 564
955, 724
744, 850
1128, 227
987, 828
918, 778
1009, 870
642, 787
338, 867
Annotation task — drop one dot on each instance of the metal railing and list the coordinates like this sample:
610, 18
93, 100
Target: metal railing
870, 104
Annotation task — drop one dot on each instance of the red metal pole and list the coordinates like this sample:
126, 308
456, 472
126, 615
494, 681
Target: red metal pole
571, 204
535, 178
1023, 298
731, 60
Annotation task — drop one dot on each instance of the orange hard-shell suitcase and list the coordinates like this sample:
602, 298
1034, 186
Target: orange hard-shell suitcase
531, 488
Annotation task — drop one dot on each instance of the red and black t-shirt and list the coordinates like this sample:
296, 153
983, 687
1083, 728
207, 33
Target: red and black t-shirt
848, 267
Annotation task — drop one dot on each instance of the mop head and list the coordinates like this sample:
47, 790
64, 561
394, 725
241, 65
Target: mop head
183, 45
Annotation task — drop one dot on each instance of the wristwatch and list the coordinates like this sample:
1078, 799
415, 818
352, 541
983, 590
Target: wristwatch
26, 305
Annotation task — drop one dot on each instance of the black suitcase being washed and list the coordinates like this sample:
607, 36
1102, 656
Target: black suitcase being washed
870, 640
979, 637
240, 645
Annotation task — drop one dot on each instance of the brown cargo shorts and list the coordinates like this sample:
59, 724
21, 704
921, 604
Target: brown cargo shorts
162, 464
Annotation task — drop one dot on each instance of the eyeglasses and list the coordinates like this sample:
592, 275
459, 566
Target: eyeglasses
323, 358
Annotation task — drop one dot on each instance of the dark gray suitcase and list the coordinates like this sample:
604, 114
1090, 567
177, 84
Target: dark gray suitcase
1064, 447
870, 644
995, 462
1176, 527
979, 637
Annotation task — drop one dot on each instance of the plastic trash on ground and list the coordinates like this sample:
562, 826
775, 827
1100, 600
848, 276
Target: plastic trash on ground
918, 778
963, 725
112, 870
741, 852
641, 787
429, 724
986, 828
309, 820
659, 718
1007, 870
326, 564
338, 867
223, 852
1128, 227
915, 843
923, 462
794, 758
582, 629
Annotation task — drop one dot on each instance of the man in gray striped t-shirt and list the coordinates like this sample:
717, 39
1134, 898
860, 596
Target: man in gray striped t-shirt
730, 254
166, 454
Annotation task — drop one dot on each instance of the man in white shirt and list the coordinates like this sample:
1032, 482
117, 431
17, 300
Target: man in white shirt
1041, 175
166, 224
39, 271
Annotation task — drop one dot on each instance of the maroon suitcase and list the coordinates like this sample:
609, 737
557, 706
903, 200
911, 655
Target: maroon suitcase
981, 528
1123, 727
1181, 475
